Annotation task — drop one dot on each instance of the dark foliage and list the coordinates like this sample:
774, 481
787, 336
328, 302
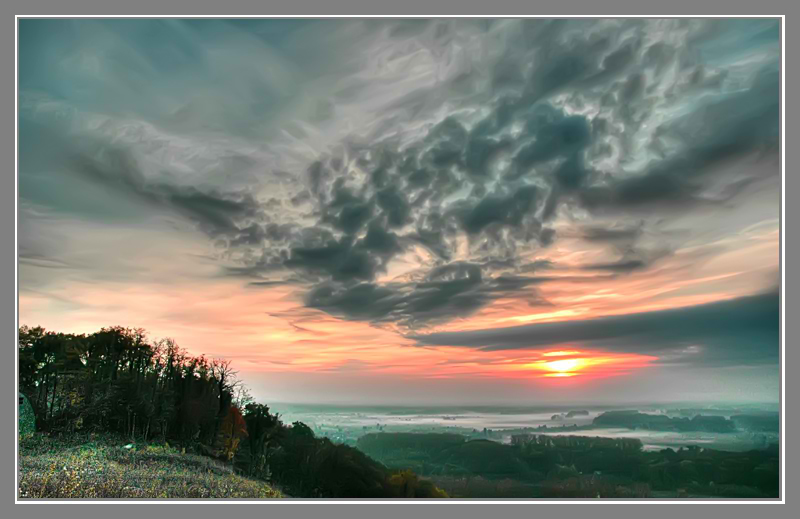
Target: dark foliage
539, 465
117, 381
635, 419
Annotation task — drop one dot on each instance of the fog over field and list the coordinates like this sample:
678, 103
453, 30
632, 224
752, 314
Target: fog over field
348, 423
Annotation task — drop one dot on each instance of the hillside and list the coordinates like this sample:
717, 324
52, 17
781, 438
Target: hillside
102, 467
118, 384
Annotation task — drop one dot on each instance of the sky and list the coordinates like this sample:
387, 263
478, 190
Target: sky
367, 211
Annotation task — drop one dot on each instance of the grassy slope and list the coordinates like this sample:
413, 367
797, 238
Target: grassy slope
101, 467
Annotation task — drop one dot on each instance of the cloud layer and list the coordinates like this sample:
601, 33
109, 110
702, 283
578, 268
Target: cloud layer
734, 332
437, 179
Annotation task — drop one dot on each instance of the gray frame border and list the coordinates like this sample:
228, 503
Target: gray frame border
8, 316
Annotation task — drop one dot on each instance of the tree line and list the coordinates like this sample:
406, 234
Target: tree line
118, 380
576, 466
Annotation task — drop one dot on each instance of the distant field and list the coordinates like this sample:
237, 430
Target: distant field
344, 424
540, 465
101, 467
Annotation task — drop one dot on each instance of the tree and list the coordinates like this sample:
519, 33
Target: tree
117, 381
232, 431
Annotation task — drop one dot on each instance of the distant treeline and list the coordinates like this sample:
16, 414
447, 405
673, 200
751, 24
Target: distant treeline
536, 465
533, 441
658, 422
117, 380
761, 422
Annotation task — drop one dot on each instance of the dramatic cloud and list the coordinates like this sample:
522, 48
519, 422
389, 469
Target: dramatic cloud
492, 178
405, 177
738, 332
453, 290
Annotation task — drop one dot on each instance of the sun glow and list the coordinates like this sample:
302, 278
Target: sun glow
564, 365
591, 364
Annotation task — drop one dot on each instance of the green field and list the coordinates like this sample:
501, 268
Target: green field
102, 467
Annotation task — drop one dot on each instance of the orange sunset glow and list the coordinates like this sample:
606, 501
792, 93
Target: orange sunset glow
589, 364
458, 212
399, 259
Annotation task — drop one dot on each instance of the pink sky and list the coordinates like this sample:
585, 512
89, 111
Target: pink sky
311, 199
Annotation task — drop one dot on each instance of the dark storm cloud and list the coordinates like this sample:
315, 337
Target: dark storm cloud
715, 131
252, 235
408, 188
345, 210
218, 214
735, 332
337, 259
267, 264
542, 115
555, 135
633, 258
266, 283
536, 265
449, 140
380, 241
453, 290
582, 61
611, 235
504, 210
484, 145
395, 207
617, 266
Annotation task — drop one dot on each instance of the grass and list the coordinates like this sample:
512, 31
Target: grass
82, 467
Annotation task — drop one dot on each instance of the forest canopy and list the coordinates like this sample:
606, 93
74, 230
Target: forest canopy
119, 381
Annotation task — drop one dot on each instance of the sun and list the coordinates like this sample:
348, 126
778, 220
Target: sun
564, 367
583, 363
